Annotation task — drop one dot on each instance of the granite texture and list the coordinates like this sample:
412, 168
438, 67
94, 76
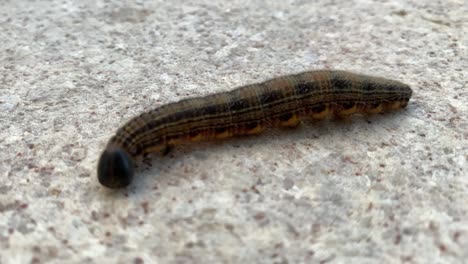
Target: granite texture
383, 189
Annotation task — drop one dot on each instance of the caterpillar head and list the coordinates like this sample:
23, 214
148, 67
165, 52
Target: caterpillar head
115, 168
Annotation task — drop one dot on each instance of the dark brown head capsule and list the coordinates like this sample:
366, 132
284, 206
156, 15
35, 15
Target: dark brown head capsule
115, 168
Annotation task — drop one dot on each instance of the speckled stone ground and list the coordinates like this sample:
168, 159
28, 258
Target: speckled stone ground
385, 189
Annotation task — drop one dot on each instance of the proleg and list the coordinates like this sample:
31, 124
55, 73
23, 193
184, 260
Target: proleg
247, 110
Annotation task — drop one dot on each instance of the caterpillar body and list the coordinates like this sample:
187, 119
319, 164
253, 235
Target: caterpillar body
247, 110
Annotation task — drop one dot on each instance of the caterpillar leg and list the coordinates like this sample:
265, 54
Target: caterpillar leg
166, 150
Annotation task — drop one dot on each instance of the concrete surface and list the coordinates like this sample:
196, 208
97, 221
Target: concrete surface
385, 189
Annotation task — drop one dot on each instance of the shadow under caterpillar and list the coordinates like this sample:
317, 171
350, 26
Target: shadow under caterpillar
247, 110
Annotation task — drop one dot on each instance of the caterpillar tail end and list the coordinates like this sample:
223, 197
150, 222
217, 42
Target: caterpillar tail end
115, 168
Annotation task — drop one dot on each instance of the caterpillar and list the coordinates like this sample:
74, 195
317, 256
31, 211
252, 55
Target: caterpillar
247, 110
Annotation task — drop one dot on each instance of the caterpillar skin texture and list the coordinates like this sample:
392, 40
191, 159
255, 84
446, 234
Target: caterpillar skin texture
247, 110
